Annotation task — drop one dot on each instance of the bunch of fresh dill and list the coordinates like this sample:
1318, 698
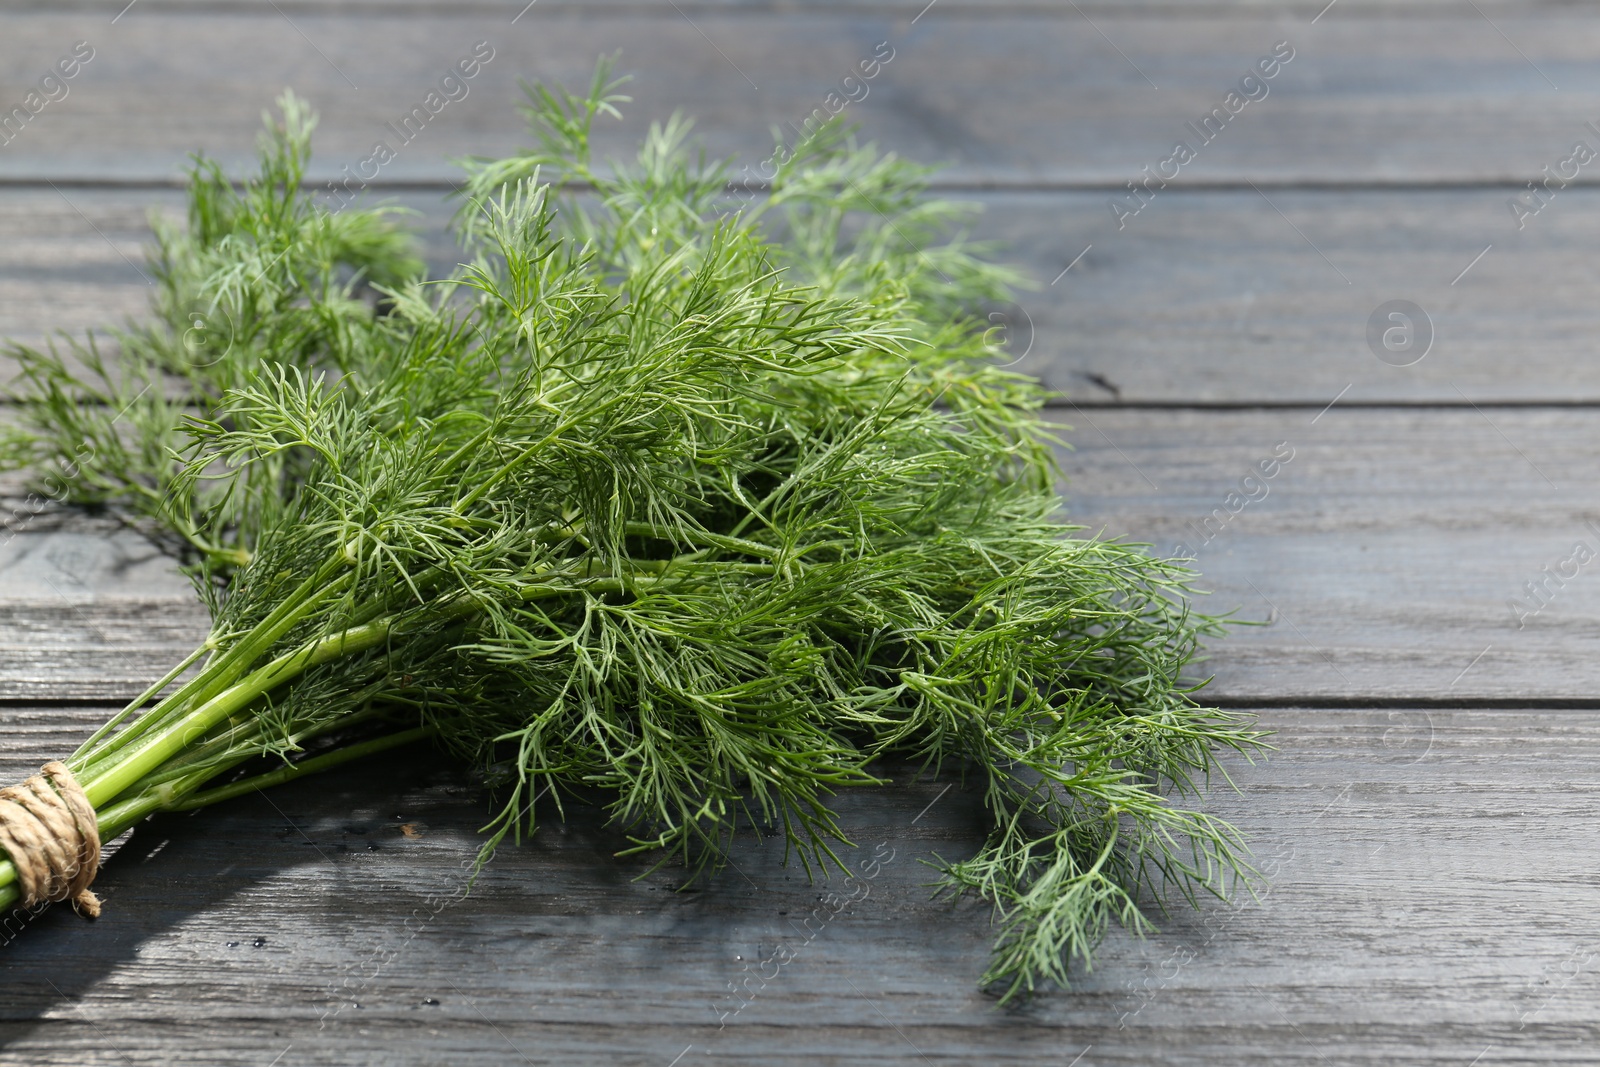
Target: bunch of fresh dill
707, 510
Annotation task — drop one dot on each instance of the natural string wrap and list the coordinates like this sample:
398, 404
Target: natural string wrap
48, 829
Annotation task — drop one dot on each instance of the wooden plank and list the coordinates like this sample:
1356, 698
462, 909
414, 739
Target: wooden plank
1209, 297
1041, 96
1391, 547
75, 260
90, 614
1232, 297
1424, 905
1389, 550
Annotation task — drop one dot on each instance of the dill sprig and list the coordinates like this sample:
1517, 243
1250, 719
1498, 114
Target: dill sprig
703, 511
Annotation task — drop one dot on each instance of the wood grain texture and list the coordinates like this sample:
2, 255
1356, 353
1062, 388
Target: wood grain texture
1387, 550
90, 615
1428, 898
1043, 96
1207, 297
1429, 886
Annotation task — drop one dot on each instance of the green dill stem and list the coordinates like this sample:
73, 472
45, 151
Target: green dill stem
319, 587
140, 753
173, 796
226, 668
488, 483
118, 817
235, 557
149, 752
244, 734
135, 757
138, 701
310, 766
492, 480
715, 540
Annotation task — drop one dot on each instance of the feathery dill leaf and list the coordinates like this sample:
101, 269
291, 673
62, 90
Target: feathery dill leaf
702, 507
260, 274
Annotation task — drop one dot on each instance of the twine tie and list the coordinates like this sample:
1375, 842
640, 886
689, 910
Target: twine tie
48, 829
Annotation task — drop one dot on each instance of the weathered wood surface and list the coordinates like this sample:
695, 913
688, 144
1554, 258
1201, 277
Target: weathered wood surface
1387, 552
1207, 297
1427, 821
90, 616
1043, 95
1430, 898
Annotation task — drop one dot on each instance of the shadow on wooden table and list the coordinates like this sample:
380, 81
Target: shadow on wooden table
338, 907
225, 889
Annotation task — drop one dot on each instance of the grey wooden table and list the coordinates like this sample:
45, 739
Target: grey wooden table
1428, 820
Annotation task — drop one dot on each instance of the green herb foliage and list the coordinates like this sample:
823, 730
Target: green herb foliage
702, 507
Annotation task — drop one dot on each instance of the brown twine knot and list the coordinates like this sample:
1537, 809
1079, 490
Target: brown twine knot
48, 829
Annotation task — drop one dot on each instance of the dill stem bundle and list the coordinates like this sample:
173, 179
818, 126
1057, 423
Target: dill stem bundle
699, 514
